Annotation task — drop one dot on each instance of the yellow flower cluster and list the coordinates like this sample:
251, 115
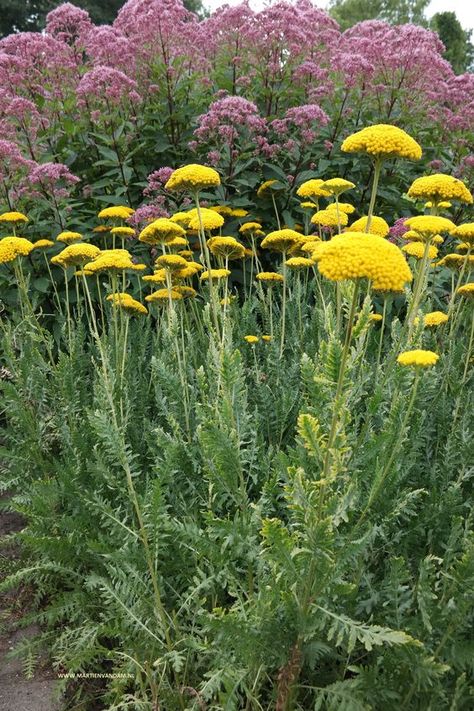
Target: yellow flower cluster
466, 290
270, 277
75, 255
251, 228
172, 262
299, 263
227, 247
378, 226
13, 217
383, 141
418, 358
465, 232
116, 212
429, 225
439, 187
127, 303
210, 220
312, 189
122, 231
161, 231
343, 207
435, 318
42, 243
193, 178
181, 218
364, 256
252, 340
68, 237
453, 261
13, 247
328, 218
336, 186
281, 240
215, 274
164, 295
444, 204
113, 260
417, 250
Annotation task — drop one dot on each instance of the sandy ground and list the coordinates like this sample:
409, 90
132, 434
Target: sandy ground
17, 693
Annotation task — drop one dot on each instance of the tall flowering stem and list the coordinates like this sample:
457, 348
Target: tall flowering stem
375, 183
283, 307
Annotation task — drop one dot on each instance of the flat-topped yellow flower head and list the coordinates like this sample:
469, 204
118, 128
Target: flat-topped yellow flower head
215, 274
438, 188
193, 178
250, 228
163, 295
116, 212
227, 247
466, 290
181, 218
127, 303
435, 318
465, 232
383, 141
429, 225
313, 189
281, 240
270, 277
378, 226
328, 218
13, 247
265, 189
122, 231
161, 231
43, 243
418, 358
171, 262
68, 237
336, 186
299, 263
417, 250
210, 220
75, 255
364, 256
13, 217
110, 260
343, 207
251, 340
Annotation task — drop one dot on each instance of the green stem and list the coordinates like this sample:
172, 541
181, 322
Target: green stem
375, 184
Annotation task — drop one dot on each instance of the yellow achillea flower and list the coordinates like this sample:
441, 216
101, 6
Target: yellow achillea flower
215, 274
430, 225
193, 177
13, 247
172, 262
364, 256
239, 212
117, 212
101, 228
178, 242
210, 220
181, 218
465, 232
299, 263
383, 141
309, 246
13, 217
187, 292
186, 253
75, 255
435, 318
266, 339
185, 273
375, 317
42, 244
418, 358
223, 210
328, 218
226, 247
161, 231
466, 290
463, 247
312, 189
378, 226
336, 186
127, 303
68, 237
269, 277
417, 250
249, 228
343, 207
281, 240
123, 231
159, 277
437, 239
114, 261
455, 261
439, 187
265, 188
251, 339
164, 295
309, 205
